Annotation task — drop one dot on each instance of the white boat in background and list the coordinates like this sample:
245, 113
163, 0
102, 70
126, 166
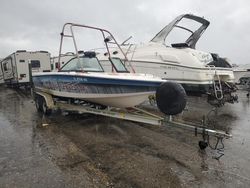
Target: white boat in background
198, 72
83, 78
242, 76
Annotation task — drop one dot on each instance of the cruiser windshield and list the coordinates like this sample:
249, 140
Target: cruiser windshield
193, 27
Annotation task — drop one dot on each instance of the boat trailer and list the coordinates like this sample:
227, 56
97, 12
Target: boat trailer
45, 103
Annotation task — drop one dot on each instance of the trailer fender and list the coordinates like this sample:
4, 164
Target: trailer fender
44, 102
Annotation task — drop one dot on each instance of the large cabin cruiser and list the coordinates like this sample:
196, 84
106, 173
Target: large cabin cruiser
199, 72
83, 78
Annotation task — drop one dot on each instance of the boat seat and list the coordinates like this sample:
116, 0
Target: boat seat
90, 54
180, 45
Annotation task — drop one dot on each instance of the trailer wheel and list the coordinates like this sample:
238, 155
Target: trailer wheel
38, 103
45, 109
171, 98
41, 105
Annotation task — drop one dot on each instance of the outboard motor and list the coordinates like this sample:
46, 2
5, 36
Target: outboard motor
171, 98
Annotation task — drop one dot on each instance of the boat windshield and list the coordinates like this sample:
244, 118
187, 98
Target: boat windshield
118, 65
188, 28
86, 64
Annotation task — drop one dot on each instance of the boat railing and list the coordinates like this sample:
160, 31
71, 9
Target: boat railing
107, 36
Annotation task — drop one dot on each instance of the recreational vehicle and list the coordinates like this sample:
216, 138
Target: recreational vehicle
1, 75
15, 67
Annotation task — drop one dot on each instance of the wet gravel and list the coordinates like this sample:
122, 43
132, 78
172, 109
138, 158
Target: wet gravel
93, 151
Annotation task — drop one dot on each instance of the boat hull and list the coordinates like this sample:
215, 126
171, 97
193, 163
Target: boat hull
114, 92
194, 80
184, 66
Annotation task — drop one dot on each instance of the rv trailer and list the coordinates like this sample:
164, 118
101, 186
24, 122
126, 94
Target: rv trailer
1, 75
15, 67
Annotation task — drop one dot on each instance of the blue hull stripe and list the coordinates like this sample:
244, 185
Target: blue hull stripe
95, 80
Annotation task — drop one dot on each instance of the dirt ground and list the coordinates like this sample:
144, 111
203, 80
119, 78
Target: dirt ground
93, 151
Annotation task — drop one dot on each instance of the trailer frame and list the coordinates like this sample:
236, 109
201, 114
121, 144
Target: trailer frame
45, 102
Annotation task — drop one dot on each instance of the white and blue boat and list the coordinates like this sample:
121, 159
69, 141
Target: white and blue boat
84, 78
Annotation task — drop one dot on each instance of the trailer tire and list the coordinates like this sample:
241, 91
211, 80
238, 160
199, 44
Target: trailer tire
45, 109
41, 105
38, 103
171, 98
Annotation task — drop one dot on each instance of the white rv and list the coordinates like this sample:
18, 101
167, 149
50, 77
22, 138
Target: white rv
15, 67
1, 75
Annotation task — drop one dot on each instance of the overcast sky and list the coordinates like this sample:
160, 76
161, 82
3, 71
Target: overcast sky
36, 24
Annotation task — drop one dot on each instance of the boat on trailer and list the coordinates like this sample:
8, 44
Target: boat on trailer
199, 72
94, 85
82, 86
83, 78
